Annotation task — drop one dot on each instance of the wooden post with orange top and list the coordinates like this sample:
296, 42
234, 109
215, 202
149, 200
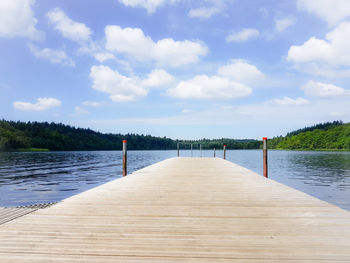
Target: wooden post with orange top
265, 157
125, 157
224, 152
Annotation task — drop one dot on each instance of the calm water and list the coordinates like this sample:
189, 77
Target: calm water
27, 178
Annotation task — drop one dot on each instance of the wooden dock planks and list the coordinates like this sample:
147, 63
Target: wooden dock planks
182, 210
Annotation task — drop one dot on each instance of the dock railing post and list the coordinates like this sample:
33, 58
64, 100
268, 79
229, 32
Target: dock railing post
200, 149
178, 150
125, 158
214, 152
191, 151
224, 152
265, 157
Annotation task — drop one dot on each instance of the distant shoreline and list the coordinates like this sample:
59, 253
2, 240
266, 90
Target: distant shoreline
150, 150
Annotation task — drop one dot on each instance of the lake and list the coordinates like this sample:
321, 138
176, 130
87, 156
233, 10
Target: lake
28, 178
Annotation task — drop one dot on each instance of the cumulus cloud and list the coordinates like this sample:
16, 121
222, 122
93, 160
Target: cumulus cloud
206, 87
103, 56
70, 29
227, 107
336, 114
96, 50
187, 111
158, 78
241, 71
91, 103
149, 5
284, 23
53, 55
264, 12
41, 104
119, 87
214, 7
230, 82
323, 54
134, 43
79, 33
332, 11
17, 20
80, 111
244, 35
318, 89
286, 101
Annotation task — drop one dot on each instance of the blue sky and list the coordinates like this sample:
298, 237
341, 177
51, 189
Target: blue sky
179, 68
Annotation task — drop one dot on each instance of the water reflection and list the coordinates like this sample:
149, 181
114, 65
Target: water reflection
325, 175
27, 178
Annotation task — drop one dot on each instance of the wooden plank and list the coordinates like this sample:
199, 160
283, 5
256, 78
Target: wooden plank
8, 214
180, 210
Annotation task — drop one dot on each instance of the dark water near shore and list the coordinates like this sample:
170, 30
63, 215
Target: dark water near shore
28, 178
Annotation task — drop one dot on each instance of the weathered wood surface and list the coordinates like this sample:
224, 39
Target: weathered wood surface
182, 210
10, 213
7, 214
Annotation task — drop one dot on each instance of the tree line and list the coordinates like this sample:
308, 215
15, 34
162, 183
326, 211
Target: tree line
324, 136
16, 135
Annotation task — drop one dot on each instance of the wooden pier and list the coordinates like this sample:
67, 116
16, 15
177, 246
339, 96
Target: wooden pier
182, 210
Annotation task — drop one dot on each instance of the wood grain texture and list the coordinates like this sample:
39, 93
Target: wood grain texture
182, 210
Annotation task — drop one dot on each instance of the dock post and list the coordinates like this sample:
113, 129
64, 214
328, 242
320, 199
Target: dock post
214, 152
124, 158
224, 152
178, 150
265, 156
191, 151
200, 149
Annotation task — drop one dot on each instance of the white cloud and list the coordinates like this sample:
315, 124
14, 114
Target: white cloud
322, 69
119, 87
227, 107
80, 111
158, 78
215, 7
332, 11
336, 114
17, 20
264, 12
42, 104
284, 23
187, 111
70, 29
96, 50
53, 55
286, 101
102, 57
242, 36
319, 89
204, 12
323, 55
91, 103
205, 87
133, 42
245, 120
149, 5
240, 70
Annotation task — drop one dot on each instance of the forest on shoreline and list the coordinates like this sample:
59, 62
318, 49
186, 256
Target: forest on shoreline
44, 136
324, 136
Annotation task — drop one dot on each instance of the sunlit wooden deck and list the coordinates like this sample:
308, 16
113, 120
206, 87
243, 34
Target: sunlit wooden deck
182, 210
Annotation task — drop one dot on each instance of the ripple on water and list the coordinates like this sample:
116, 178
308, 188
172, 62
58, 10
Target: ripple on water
28, 178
